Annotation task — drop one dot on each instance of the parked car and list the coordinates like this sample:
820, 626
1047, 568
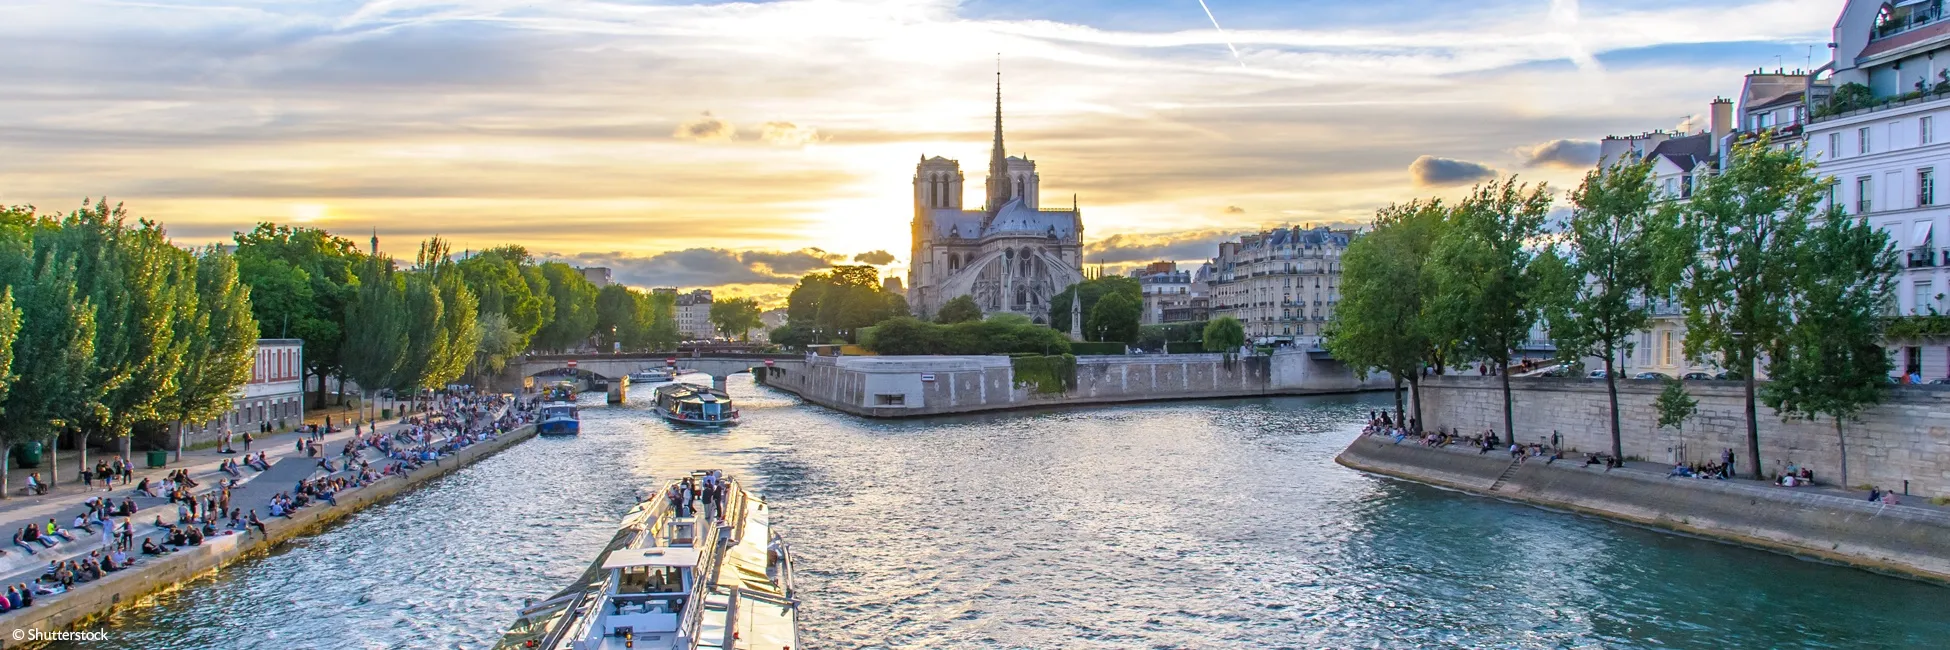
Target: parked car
1940, 382
1556, 372
1652, 375
1697, 376
1596, 374
1727, 375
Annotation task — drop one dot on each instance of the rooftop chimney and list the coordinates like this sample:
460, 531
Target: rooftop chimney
1722, 123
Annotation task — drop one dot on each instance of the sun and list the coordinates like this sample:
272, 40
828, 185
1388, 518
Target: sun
307, 212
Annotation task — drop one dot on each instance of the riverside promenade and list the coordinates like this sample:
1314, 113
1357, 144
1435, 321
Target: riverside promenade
288, 465
1911, 539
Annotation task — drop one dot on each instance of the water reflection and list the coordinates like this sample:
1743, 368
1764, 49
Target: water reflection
1202, 524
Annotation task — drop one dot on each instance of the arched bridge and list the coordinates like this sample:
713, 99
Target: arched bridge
612, 366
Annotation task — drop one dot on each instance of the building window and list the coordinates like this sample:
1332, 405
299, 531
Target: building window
1862, 140
1923, 134
1925, 187
1864, 188
890, 400
1686, 186
1834, 146
1925, 299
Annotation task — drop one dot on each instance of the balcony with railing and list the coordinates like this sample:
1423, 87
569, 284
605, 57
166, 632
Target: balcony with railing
1926, 258
1904, 17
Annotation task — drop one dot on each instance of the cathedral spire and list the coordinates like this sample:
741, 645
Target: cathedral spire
999, 188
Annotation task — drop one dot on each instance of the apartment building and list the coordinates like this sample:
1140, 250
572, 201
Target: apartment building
1881, 138
1281, 284
1169, 294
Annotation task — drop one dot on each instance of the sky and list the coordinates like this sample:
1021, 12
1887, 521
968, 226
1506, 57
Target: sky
738, 145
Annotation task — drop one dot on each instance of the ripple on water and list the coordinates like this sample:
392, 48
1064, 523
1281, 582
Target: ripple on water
1193, 525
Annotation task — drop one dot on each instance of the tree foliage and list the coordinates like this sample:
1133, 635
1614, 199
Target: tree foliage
300, 280
1615, 268
839, 302
1674, 405
375, 328
1224, 334
1090, 291
1749, 222
1382, 322
219, 344
910, 336
1831, 362
959, 309
574, 301
1486, 289
735, 317
1114, 318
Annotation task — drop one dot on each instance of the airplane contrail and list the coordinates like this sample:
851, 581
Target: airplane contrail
1222, 33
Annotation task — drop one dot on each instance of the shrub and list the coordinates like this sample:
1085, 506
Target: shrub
1049, 375
911, 336
1108, 348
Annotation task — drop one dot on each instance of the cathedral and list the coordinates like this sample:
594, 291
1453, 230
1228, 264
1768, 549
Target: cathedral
1011, 255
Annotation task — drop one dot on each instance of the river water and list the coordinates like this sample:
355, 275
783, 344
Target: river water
1218, 524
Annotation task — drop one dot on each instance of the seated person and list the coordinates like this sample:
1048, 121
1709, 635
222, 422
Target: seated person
150, 547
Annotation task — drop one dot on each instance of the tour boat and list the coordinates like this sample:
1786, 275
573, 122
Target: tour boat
559, 416
718, 577
695, 404
654, 375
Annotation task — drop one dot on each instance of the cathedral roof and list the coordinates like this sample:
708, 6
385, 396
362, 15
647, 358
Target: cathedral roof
1016, 218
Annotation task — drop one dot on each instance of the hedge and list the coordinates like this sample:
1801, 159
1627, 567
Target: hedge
1104, 348
1049, 375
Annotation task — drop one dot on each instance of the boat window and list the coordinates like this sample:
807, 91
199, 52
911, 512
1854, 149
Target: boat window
649, 580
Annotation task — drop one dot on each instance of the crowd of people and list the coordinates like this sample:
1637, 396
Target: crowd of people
440, 426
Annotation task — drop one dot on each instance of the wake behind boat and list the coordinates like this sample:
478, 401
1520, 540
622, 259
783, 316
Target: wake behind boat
696, 566
695, 404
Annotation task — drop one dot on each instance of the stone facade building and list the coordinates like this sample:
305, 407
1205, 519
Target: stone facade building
1011, 255
1281, 284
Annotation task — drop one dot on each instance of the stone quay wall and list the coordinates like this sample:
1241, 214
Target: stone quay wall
1906, 438
1902, 540
910, 386
86, 603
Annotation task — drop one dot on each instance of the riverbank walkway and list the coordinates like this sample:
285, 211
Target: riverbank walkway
1645, 469
288, 465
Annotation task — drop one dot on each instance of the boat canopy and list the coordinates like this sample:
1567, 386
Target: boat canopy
658, 556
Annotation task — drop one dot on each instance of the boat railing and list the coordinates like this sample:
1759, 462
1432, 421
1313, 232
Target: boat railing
712, 560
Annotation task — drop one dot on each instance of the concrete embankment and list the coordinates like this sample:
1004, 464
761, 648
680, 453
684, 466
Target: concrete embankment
88, 602
911, 386
1901, 540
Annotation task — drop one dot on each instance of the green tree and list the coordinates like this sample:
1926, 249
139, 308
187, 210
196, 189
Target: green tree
139, 284
499, 342
506, 281
838, 302
1749, 221
9, 333
54, 350
574, 300
425, 343
736, 316
1225, 334
1091, 291
458, 327
300, 281
376, 328
1114, 318
662, 334
1485, 285
1381, 323
616, 315
219, 340
1674, 405
959, 309
1614, 242
1831, 361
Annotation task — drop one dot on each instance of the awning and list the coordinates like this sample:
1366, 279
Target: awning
1920, 235
659, 556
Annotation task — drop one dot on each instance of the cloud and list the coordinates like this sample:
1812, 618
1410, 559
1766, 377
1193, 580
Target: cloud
1149, 247
1430, 171
1233, 209
876, 258
787, 134
706, 267
705, 128
1567, 154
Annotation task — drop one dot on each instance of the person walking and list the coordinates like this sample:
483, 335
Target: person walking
247, 442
